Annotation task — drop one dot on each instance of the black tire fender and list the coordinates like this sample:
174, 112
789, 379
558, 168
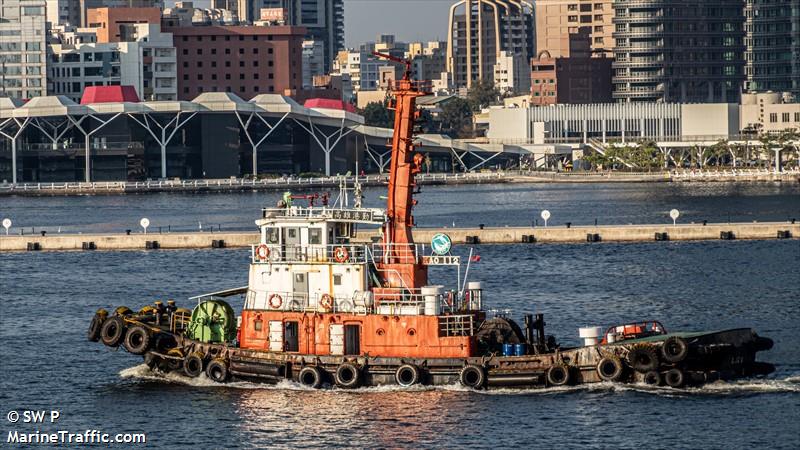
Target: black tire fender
94, 328
113, 331
472, 376
643, 359
675, 378
610, 368
348, 376
217, 370
652, 378
193, 364
407, 375
558, 375
310, 376
137, 340
675, 349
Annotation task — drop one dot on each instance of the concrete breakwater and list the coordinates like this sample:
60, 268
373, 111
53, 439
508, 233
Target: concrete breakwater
487, 235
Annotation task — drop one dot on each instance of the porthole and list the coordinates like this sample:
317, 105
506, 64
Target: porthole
380, 332
411, 332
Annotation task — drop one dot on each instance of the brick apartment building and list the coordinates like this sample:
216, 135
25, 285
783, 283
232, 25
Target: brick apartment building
244, 60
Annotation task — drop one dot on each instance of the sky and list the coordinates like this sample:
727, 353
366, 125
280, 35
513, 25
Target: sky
409, 20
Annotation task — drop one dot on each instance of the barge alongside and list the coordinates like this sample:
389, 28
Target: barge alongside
321, 310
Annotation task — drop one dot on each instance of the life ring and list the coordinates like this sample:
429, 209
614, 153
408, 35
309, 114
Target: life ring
262, 252
326, 302
275, 301
341, 255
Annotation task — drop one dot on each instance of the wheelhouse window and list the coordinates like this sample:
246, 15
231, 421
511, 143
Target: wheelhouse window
315, 236
273, 235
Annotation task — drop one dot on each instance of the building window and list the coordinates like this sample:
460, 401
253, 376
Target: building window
272, 88
227, 51
598, 17
255, 63
598, 40
186, 77
241, 51
227, 63
241, 76
241, 63
199, 63
797, 117
227, 76
199, 76
213, 64
186, 51
213, 76
572, 18
785, 117
572, 7
255, 89
270, 63
241, 88
255, 76
199, 51
185, 91
213, 38
773, 117
213, 51
255, 50
186, 64
185, 38
270, 51
241, 38
270, 76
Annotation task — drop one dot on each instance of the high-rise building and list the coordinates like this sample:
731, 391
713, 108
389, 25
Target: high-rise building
678, 51
23, 59
557, 20
73, 12
244, 60
772, 41
479, 30
313, 62
323, 20
512, 74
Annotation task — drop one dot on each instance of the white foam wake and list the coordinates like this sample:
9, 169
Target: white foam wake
790, 384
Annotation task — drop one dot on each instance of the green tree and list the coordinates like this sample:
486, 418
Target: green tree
456, 118
482, 94
378, 115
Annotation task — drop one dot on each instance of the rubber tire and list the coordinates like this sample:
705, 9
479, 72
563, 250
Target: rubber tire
643, 359
675, 378
163, 343
173, 365
193, 365
347, 376
113, 331
217, 370
558, 375
94, 328
407, 375
472, 376
603, 364
310, 376
652, 378
675, 349
137, 340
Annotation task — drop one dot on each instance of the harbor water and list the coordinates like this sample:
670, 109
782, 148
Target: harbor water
48, 298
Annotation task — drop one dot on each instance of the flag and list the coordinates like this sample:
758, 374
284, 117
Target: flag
475, 258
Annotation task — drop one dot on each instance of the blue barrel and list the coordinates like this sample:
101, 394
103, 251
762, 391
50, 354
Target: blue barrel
508, 349
520, 349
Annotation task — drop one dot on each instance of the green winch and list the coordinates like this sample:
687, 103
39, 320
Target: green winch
212, 321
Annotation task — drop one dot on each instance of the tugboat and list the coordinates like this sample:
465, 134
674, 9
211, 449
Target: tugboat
323, 309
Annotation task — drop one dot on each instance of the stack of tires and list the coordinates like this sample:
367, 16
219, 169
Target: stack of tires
649, 363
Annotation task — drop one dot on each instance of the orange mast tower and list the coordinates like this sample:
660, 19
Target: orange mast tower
400, 264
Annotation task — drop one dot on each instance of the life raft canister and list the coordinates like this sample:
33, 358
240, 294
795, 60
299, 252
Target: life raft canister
326, 302
275, 301
341, 254
262, 252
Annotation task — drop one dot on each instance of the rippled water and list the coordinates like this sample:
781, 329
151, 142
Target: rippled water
47, 299
466, 205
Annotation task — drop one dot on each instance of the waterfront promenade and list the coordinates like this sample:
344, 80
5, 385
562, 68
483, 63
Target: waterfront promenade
486, 235
306, 183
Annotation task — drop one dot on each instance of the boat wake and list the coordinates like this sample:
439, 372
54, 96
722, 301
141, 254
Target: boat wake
790, 384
